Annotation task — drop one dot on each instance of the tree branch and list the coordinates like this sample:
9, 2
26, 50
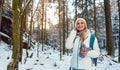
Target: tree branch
36, 9
26, 7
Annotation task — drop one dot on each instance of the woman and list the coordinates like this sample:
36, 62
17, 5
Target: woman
79, 37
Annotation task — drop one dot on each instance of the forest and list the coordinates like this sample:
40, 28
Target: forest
33, 33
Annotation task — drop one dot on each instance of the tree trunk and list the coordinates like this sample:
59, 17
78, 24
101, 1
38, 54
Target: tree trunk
95, 19
45, 29
119, 28
1, 7
75, 11
21, 30
67, 24
38, 33
42, 23
30, 32
109, 47
63, 27
85, 15
16, 36
23, 25
60, 29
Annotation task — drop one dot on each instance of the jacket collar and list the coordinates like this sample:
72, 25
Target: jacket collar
88, 33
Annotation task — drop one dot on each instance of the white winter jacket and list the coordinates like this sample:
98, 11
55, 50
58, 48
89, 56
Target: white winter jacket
86, 62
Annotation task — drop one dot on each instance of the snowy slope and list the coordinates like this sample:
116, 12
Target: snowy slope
49, 59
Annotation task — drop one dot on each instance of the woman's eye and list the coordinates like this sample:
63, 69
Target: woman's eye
81, 22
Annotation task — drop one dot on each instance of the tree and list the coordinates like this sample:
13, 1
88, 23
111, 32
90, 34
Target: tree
67, 24
60, 29
84, 9
21, 31
119, 28
109, 47
45, 20
1, 7
22, 20
16, 36
75, 11
42, 23
31, 25
18, 13
95, 17
63, 25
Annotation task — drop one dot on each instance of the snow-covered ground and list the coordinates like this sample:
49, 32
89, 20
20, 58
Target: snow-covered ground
48, 59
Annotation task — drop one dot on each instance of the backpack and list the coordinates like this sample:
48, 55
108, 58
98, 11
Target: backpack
92, 38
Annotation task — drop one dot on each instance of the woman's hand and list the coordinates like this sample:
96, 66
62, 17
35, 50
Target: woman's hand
83, 52
76, 29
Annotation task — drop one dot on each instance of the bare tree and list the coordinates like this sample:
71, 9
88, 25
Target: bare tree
42, 23
17, 15
16, 37
67, 24
109, 47
21, 30
95, 17
119, 28
22, 21
60, 29
1, 7
75, 10
63, 25
45, 20
31, 24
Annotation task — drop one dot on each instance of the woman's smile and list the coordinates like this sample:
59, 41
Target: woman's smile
80, 26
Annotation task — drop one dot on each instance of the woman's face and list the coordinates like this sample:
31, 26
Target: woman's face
80, 25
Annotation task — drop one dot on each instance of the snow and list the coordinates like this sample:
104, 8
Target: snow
49, 59
5, 54
5, 35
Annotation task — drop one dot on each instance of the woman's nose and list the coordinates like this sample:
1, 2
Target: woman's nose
79, 24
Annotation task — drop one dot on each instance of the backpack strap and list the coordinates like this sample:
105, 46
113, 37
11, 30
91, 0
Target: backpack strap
77, 52
92, 39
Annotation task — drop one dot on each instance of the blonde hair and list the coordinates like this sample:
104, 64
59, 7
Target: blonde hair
83, 35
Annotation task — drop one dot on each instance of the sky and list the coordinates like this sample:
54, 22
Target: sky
51, 11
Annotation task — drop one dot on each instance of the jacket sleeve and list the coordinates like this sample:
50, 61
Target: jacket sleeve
95, 52
70, 39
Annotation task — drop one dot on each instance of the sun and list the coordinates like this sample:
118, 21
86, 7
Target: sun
52, 14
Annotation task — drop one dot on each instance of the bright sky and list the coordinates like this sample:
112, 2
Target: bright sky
52, 14
51, 11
